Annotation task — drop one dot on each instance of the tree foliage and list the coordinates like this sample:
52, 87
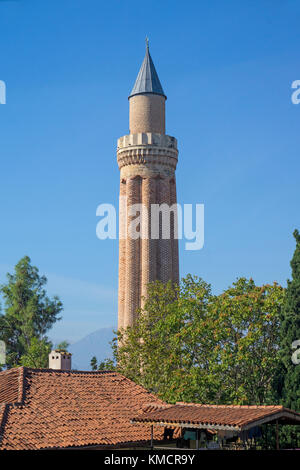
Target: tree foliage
290, 332
63, 346
106, 364
189, 345
36, 356
28, 313
287, 379
93, 363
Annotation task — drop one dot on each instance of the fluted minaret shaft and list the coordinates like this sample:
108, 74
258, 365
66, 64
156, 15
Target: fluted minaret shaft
147, 160
147, 165
174, 235
132, 259
122, 252
148, 246
164, 260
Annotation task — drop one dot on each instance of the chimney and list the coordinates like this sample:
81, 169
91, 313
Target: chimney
60, 360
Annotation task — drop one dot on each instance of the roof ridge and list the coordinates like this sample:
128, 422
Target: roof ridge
24, 370
142, 389
230, 406
4, 408
153, 406
21, 384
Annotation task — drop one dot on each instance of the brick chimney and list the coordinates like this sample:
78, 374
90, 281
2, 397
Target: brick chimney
60, 360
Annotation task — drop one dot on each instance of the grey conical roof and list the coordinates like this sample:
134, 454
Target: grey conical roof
147, 80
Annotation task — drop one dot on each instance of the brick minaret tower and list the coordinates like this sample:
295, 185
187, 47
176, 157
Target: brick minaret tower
147, 160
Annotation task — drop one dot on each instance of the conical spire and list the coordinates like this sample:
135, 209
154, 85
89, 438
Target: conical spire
147, 80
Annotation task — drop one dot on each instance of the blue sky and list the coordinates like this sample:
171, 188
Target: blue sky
227, 69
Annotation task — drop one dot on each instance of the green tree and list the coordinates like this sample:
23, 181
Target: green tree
93, 363
287, 379
290, 332
189, 345
37, 354
28, 311
107, 364
245, 323
63, 346
149, 352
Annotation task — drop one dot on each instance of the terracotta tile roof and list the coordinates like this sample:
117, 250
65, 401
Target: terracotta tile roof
41, 408
11, 385
215, 416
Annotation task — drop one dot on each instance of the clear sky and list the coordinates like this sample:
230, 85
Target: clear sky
227, 69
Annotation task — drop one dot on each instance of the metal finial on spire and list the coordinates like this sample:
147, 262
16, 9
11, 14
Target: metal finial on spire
147, 80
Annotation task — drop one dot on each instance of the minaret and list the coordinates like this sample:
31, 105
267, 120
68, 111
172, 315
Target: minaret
147, 160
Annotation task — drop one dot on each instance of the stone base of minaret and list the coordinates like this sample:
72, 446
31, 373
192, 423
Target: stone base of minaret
147, 163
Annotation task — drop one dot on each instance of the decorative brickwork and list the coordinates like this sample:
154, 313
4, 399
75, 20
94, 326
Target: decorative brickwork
147, 111
147, 164
147, 160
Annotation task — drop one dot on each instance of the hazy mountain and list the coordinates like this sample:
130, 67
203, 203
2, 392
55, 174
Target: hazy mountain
94, 344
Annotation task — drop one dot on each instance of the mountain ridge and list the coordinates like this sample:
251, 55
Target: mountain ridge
94, 344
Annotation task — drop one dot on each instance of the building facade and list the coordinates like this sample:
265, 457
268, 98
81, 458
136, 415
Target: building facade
147, 160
